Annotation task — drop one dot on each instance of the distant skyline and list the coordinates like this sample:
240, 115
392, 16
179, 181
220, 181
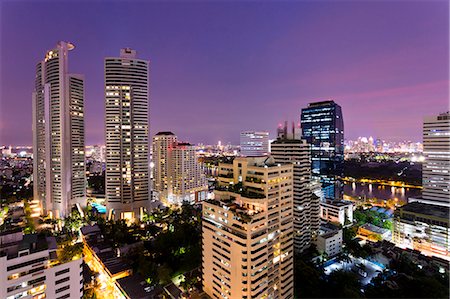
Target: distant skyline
219, 68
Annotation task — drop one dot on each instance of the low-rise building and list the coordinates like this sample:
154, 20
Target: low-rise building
337, 211
329, 240
423, 227
30, 268
373, 232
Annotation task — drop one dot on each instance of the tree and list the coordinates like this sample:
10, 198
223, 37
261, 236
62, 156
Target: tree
164, 274
343, 284
69, 252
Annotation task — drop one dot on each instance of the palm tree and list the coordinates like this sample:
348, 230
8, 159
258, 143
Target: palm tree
344, 257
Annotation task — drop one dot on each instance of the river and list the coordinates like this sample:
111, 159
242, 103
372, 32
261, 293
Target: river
380, 192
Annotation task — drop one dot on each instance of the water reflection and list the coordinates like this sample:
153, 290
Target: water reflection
380, 191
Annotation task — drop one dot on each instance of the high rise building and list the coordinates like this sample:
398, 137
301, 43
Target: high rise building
248, 231
254, 143
127, 129
289, 148
423, 223
96, 152
162, 144
30, 268
436, 167
58, 134
177, 174
323, 127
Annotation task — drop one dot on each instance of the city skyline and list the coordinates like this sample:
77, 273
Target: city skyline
271, 59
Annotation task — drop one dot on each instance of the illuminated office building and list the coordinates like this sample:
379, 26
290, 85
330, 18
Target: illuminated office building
323, 127
127, 129
436, 167
58, 134
254, 143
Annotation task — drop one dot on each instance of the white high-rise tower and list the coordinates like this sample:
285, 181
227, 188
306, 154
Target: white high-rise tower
127, 129
436, 168
58, 134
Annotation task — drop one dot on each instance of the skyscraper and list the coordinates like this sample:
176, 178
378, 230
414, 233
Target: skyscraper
423, 223
289, 148
127, 129
436, 167
254, 143
58, 134
162, 144
323, 127
247, 248
177, 173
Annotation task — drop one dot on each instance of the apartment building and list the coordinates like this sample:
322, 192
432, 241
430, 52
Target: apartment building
30, 268
248, 231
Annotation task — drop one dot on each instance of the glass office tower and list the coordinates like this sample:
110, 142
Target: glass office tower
323, 127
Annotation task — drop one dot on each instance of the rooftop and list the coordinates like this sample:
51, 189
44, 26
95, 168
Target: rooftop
321, 103
374, 228
136, 287
12, 242
289, 141
164, 133
427, 209
338, 203
328, 230
242, 212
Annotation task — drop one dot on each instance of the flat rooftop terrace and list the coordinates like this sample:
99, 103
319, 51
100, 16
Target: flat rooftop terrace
427, 209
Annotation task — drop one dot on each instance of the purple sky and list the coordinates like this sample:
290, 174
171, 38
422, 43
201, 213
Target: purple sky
221, 67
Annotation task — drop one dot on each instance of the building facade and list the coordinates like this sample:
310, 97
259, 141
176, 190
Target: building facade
163, 143
58, 134
337, 211
436, 167
127, 129
323, 127
423, 227
177, 173
329, 240
248, 231
254, 144
30, 269
289, 148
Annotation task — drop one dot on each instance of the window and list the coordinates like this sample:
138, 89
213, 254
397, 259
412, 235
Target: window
62, 289
63, 271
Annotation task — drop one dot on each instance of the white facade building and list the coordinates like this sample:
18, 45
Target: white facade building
127, 129
58, 134
436, 167
337, 211
248, 231
289, 148
329, 240
30, 269
254, 143
424, 227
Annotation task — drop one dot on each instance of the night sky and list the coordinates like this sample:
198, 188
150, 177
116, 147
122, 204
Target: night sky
218, 68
